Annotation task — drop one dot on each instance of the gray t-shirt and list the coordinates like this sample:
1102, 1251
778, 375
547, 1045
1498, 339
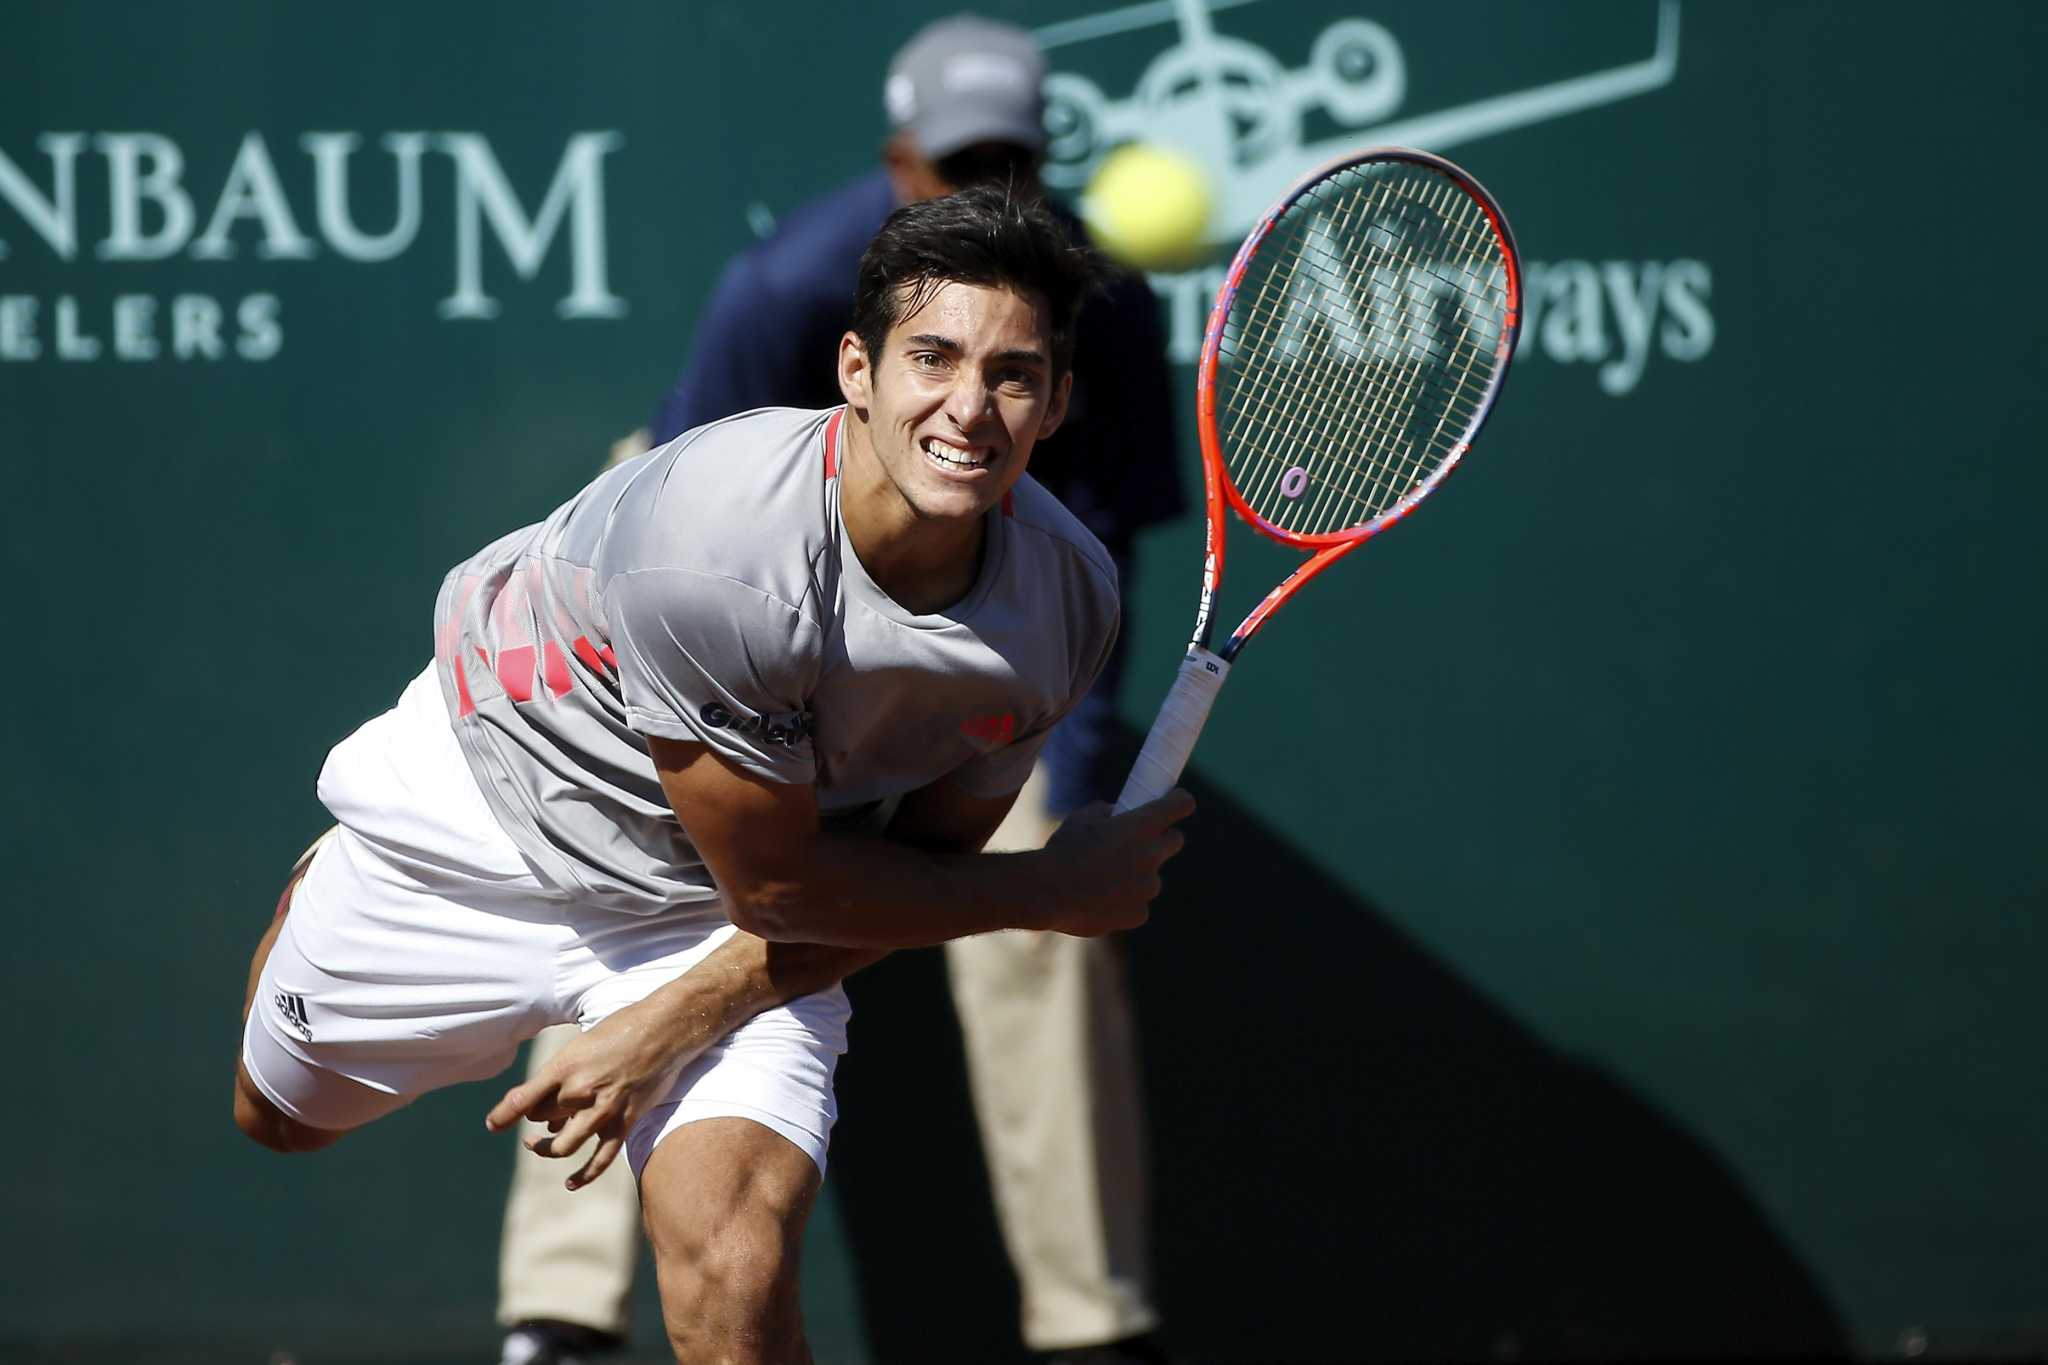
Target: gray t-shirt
707, 591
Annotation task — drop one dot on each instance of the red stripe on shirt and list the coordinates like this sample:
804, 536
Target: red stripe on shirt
463, 705
832, 445
515, 672
554, 669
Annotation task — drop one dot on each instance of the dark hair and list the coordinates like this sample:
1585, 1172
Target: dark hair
989, 163
987, 235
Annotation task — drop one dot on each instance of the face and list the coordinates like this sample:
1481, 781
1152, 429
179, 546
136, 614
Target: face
962, 391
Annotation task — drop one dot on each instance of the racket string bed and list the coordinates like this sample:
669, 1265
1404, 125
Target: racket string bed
1317, 368
1308, 363
1319, 376
1381, 432
1336, 341
1309, 366
1270, 310
1312, 377
1385, 474
1323, 425
1472, 222
1307, 425
1279, 398
1388, 376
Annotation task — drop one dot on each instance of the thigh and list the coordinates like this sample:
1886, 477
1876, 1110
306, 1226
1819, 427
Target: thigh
722, 1172
775, 1070
725, 1201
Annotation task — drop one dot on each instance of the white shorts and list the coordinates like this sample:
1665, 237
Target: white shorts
421, 950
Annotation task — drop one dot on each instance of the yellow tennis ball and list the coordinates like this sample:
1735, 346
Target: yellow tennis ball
1148, 206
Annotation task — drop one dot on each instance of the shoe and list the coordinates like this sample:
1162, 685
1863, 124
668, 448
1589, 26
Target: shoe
542, 1341
1143, 1349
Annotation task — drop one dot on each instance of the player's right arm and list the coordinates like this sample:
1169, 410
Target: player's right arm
785, 878
718, 666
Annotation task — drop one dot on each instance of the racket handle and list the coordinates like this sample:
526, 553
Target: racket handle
1181, 718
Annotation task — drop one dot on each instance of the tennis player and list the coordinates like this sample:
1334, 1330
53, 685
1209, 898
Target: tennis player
725, 727
1046, 1020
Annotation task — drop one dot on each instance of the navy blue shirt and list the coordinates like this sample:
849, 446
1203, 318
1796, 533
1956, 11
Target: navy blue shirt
769, 337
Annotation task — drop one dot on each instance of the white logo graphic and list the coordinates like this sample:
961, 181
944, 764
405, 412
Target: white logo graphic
1234, 108
152, 215
1237, 110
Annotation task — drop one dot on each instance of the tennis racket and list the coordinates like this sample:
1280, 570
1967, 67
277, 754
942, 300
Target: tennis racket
1361, 337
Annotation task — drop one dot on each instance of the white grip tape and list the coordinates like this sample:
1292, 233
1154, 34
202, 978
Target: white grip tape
1181, 718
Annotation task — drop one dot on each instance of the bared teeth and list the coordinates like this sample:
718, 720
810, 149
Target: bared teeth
944, 454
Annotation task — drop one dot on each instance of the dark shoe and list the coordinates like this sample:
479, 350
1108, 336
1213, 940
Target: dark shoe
1144, 1349
544, 1342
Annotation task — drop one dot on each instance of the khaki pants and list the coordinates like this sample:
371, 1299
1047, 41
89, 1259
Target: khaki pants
1052, 1066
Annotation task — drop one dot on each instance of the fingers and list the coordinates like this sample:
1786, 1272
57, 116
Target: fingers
1158, 814
535, 1096
572, 1134
1155, 821
607, 1150
1170, 809
611, 1140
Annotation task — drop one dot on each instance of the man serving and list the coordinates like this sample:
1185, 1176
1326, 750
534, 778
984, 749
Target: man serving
727, 726
1046, 1020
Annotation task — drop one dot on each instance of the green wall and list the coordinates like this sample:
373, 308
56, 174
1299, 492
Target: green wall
1612, 927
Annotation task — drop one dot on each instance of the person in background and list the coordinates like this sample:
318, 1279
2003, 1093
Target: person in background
1045, 1017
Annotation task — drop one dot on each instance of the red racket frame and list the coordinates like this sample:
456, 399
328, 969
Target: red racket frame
1218, 488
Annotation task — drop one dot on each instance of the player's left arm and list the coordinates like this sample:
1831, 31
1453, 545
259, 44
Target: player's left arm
602, 1083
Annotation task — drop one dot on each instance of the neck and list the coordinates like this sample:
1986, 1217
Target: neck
925, 565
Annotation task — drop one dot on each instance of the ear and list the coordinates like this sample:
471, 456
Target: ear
1056, 410
911, 173
856, 374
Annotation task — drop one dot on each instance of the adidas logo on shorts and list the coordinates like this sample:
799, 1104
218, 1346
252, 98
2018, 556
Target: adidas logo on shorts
293, 1008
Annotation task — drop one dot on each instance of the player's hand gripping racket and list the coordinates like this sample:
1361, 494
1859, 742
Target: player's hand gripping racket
1359, 340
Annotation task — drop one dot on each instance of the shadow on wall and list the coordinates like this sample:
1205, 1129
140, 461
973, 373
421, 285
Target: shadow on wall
1356, 1156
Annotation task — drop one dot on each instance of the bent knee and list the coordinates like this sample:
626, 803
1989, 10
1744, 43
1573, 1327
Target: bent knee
744, 1266
263, 1123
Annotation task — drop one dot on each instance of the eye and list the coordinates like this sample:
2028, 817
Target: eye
1018, 379
927, 360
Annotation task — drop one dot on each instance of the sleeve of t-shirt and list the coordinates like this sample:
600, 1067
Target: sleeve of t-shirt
710, 659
